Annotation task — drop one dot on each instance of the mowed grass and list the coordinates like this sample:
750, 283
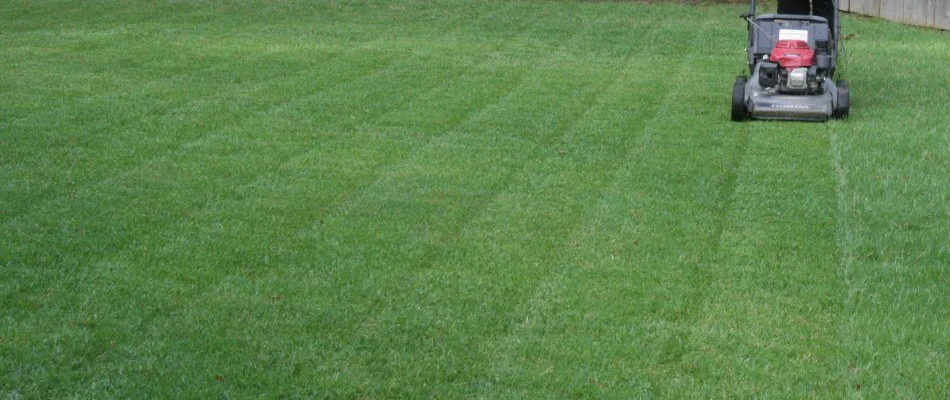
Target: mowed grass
460, 199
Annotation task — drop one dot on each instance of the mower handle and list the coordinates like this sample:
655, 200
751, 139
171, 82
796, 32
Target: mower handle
835, 28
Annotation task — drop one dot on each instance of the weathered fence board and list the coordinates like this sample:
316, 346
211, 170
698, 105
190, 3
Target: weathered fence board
917, 12
866, 7
892, 10
941, 15
932, 13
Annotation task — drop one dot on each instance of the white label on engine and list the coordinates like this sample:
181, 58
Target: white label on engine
793, 34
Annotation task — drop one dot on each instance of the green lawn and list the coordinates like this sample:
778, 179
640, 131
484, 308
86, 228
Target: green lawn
460, 199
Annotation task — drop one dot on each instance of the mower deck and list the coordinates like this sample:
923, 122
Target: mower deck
766, 103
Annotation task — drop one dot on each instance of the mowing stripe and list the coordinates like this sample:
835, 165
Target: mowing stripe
465, 200
429, 272
162, 124
234, 60
328, 84
557, 317
778, 260
893, 203
152, 142
193, 267
189, 270
159, 171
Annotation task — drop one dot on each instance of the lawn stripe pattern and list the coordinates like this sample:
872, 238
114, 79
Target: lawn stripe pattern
893, 208
456, 199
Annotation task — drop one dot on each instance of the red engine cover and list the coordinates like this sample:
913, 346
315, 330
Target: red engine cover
792, 54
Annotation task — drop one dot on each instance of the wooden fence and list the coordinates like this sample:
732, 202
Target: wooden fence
932, 13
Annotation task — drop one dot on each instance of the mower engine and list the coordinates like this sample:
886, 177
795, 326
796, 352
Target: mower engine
791, 68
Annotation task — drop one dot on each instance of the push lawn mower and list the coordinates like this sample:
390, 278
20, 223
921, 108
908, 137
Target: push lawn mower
792, 59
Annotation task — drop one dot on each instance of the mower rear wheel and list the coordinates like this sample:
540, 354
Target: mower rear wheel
843, 107
739, 112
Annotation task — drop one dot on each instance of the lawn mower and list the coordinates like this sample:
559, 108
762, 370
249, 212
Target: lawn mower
792, 59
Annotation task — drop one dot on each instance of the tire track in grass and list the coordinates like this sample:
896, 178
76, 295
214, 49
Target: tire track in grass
680, 352
556, 311
513, 367
387, 370
711, 164
773, 303
845, 239
540, 355
441, 275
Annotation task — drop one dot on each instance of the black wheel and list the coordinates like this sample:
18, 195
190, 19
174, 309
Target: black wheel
844, 100
739, 112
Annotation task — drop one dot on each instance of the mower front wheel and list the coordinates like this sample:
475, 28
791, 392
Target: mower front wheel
843, 108
739, 112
